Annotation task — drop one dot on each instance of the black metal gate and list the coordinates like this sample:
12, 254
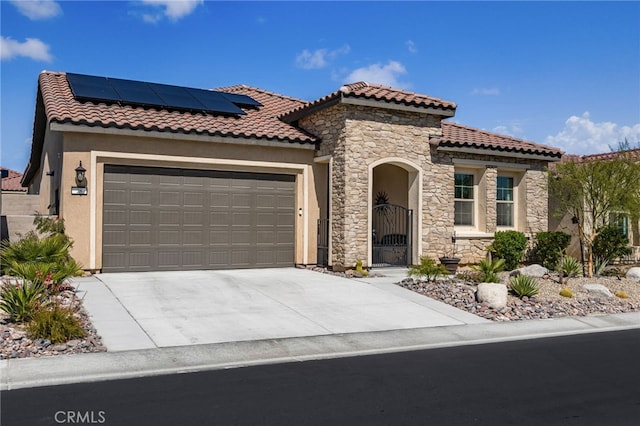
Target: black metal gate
391, 235
323, 242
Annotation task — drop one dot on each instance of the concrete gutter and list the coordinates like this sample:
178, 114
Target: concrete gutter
79, 368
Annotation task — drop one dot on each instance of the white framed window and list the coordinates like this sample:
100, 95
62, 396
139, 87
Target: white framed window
505, 201
464, 199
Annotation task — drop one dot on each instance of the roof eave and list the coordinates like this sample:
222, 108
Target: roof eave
538, 155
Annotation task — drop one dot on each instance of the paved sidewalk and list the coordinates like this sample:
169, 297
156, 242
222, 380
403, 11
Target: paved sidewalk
21, 373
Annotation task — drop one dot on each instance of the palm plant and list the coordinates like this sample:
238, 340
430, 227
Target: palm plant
488, 270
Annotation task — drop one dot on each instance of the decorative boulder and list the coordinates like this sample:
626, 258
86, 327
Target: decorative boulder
535, 270
634, 273
494, 295
597, 290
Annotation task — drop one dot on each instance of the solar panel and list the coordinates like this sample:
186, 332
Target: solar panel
135, 92
214, 101
177, 97
243, 100
93, 88
88, 87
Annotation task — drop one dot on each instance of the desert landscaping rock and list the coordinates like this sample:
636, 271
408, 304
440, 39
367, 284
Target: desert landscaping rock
597, 290
494, 295
633, 274
534, 270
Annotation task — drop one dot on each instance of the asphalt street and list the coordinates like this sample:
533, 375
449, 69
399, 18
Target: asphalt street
588, 379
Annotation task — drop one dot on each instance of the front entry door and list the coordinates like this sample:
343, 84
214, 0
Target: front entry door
391, 235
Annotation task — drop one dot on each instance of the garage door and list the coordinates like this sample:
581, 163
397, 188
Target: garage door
173, 219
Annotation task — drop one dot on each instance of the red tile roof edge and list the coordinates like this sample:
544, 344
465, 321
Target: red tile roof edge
12, 182
472, 137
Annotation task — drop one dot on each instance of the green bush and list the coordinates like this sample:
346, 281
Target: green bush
550, 247
21, 301
570, 267
427, 269
510, 246
524, 285
610, 243
58, 325
488, 270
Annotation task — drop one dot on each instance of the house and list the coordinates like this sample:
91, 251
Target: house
629, 227
16, 207
157, 177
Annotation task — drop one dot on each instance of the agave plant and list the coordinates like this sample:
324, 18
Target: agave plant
524, 285
570, 267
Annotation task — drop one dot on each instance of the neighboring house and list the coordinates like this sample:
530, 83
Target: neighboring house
16, 207
628, 227
365, 173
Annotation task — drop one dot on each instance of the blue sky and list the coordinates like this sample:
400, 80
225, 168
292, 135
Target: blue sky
562, 74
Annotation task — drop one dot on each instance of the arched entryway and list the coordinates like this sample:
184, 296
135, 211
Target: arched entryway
394, 208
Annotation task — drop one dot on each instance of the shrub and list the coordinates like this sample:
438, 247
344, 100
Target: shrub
570, 267
524, 285
488, 270
609, 244
550, 247
622, 295
565, 292
510, 246
21, 301
57, 325
427, 269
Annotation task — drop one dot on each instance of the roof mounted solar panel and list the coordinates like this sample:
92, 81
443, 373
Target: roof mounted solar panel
135, 92
177, 97
239, 99
215, 101
92, 88
163, 96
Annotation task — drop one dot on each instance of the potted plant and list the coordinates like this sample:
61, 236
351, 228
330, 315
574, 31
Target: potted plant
450, 261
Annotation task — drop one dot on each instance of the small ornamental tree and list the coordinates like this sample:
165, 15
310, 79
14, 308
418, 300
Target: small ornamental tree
589, 190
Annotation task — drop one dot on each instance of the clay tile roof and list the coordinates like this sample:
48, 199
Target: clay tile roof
12, 182
262, 122
370, 91
458, 136
633, 153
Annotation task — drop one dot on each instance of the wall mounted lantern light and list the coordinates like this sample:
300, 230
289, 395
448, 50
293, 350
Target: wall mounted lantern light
81, 181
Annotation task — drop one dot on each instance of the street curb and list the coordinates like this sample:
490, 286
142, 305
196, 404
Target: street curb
84, 368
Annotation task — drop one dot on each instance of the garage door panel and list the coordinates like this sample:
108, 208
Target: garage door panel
172, 219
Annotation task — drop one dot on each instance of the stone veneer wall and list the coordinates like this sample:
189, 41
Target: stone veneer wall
356, 136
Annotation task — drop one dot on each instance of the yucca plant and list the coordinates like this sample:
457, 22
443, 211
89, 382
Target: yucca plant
488, 270
22, 300
569, 267
427, 269
524, 285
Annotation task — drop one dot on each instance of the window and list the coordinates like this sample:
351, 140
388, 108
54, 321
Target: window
504, 201
621, 221
464, 199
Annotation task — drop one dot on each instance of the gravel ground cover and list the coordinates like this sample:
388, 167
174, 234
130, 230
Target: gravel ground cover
14, 342
547, 304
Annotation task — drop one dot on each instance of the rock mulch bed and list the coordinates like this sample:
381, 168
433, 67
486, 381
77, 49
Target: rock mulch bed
14, 342
547, 304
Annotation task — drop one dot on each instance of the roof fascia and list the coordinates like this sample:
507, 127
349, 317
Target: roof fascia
511, 154
372, 103
83, 128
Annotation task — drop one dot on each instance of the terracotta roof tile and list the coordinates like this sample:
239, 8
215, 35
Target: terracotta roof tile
12, 182
458, 136
370, 91
262, 122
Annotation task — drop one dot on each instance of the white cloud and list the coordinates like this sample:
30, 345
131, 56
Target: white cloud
319, 58
172, 9
37, 9
513, 128
31, 48
411, 46
492, 91
386, 75
583, 136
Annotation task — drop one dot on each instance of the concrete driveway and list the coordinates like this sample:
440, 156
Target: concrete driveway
163, 309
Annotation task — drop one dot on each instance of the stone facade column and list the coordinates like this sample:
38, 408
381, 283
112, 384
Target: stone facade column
491, 185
